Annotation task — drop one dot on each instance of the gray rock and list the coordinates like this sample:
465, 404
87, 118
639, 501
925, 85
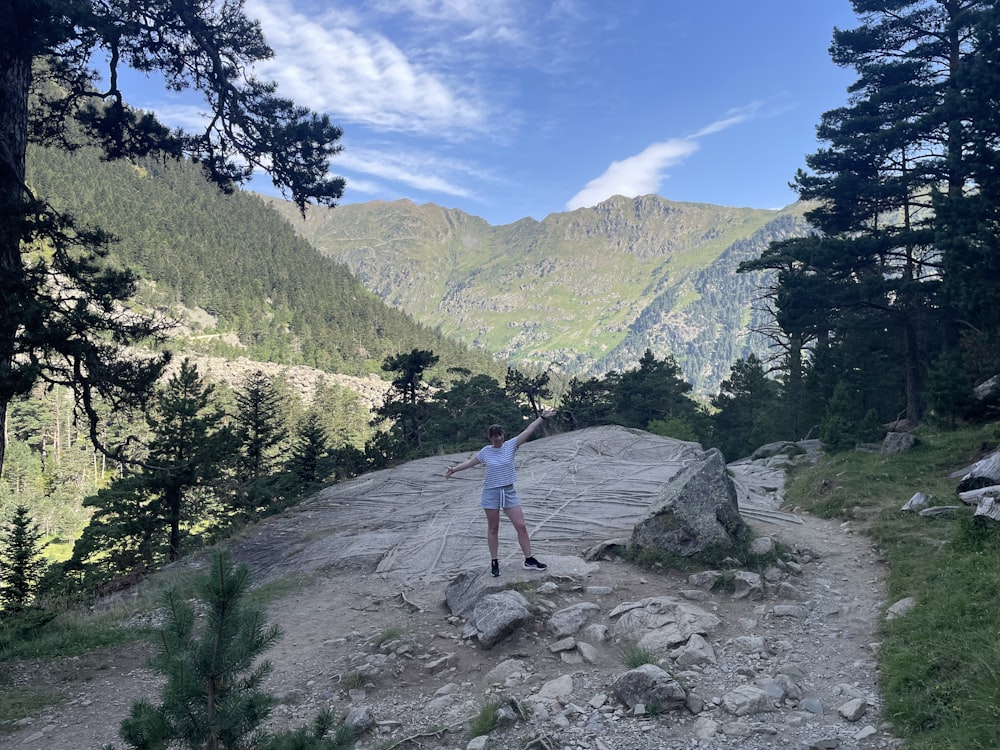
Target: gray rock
750, 644
780, 448
557, 690
812, 705
696, 512
563, 644
747, 585
465, 591
827, 743
919, 500
790, 610
747, 700
696, 651
900, 608
705, 580
505, 670
854, 709
569, 620
496, 616
587, 652
790, 591
761, 546
941, 511
704, 728
596, 631
360, 718
649, 685
662, 619
896, 442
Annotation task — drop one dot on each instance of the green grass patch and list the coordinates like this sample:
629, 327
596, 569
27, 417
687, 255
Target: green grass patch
633, 655
71, 633
940, 663
22, 701
486, 720
387, 635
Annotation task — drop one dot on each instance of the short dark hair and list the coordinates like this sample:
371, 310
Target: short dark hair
495, 429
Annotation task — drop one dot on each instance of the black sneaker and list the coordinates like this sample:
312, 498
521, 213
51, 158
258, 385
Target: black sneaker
495, 569
530, 563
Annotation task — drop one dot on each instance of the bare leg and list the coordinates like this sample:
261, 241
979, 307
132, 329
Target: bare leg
516, 516
492, 530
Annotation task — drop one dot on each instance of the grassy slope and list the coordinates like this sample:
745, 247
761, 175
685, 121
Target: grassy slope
941, 661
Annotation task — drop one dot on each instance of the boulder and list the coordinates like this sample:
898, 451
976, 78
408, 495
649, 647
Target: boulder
696, 513
780, 448
649, 685
919, 500
981, 474
987, 389
465, 591
896, 442
569, 620
496, 616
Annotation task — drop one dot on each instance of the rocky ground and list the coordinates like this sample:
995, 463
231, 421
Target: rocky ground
788, 664
421, 688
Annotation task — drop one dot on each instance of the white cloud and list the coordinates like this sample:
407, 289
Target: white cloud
637, 175
361, 76
643, 173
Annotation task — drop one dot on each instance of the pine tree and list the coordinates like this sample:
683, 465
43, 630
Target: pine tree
893, 187
61, 315
188, 449
213, 697
656, 392
746, 407
305, 462
531, 388
21, 564
405, 407
260, 425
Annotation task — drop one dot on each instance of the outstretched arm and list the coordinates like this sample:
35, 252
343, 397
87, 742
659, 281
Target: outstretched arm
466, 464
530, 429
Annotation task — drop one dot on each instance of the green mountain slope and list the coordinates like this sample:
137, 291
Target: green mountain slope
265, 292
588, 289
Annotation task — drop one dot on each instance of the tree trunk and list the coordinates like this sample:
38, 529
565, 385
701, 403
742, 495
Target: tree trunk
912, 367
15, 79
173, 504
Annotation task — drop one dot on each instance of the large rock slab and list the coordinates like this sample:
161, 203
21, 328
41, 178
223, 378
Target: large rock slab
696, 514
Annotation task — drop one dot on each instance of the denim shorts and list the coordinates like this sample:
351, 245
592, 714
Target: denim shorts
495, 498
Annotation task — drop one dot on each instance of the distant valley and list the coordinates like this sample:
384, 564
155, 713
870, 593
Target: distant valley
584, 292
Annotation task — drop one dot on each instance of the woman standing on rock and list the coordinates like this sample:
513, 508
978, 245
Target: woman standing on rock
498, 489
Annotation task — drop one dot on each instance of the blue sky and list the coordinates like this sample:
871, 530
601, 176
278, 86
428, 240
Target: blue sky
514, 108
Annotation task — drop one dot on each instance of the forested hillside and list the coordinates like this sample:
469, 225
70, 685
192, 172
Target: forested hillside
590, 289
236, 259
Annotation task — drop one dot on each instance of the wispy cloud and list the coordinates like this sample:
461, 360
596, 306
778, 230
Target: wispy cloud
361, 76
645, 172
414, 169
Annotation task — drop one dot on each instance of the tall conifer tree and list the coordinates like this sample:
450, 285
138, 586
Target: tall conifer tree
61, 315
878, 262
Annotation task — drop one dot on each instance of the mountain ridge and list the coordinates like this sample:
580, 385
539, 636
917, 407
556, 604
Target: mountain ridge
588, 290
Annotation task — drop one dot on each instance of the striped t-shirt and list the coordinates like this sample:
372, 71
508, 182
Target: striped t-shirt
499, 464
